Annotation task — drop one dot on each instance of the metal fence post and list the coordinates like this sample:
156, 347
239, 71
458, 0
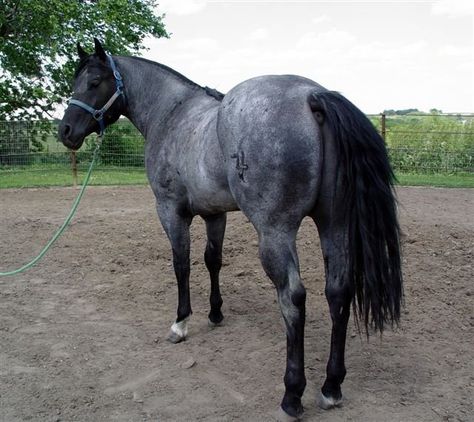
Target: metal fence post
74, 168
382, 125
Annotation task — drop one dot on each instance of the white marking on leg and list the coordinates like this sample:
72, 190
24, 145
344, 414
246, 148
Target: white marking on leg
180, 328
327, 403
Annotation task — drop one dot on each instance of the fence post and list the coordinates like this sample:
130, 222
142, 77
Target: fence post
74, 168
382, 125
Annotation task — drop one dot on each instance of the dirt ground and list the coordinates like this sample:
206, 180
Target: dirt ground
82, 335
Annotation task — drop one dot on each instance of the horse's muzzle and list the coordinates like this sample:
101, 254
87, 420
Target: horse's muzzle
68, 138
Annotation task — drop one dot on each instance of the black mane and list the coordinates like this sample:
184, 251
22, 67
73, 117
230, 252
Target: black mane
209, 91
214, 93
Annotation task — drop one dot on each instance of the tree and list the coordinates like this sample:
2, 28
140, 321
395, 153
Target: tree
38, 51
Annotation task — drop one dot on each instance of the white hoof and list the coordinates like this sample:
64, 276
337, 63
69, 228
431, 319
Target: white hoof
327, 403
178, 331
282, 416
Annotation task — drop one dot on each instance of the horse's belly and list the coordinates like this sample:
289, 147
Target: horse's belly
207, 197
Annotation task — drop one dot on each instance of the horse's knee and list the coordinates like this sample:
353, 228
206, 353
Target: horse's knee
213, 257
298, 294
181, 263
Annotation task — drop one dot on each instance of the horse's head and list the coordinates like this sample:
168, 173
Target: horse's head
97, 100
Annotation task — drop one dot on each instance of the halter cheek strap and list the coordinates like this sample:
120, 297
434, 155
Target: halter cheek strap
98, 114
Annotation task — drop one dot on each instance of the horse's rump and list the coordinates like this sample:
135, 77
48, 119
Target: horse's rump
272, 146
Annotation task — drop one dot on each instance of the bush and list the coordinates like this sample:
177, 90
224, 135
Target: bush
20, 141
122, 146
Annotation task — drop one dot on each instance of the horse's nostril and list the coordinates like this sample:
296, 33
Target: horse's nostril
67, 130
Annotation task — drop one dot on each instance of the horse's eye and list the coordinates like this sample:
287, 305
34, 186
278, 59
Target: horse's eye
94, 82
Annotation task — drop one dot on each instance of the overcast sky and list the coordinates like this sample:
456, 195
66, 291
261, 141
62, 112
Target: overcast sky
380, 54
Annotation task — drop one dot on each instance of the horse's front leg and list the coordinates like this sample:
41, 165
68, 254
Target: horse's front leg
215, 226
176, 225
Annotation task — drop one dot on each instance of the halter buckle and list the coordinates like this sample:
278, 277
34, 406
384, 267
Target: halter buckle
98, 114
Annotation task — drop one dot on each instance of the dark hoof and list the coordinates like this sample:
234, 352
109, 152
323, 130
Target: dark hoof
292, 406
211, 324
175, 338
215, 318
327, 403
282, 416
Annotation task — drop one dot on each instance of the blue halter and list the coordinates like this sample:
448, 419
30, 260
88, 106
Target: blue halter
99, 114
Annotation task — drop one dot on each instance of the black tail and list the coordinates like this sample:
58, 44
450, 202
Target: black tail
374, 234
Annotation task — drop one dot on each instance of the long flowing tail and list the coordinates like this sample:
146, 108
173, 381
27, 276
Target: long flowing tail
374, 233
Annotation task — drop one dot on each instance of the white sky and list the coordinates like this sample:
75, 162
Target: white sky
380, 54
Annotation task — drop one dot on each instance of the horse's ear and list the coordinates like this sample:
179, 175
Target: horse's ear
82, 53
99, 50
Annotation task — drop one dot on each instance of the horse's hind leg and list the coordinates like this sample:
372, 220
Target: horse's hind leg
280, 262
215, 226
176, 226
339, 294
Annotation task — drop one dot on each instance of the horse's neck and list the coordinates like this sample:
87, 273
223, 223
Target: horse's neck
152, 93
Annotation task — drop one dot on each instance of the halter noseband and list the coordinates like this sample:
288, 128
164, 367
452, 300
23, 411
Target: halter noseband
99, 114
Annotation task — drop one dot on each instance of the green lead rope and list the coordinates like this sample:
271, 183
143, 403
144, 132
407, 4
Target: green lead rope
68, 219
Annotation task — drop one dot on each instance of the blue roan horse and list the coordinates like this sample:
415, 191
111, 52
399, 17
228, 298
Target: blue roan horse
278, 148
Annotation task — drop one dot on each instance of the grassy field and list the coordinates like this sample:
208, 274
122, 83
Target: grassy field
63, 177
458, 180
425, 150
136, 176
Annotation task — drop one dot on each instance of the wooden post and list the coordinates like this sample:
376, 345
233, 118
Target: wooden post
382, 125
74, 167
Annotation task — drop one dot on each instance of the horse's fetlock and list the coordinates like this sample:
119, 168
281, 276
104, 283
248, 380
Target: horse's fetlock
295, 381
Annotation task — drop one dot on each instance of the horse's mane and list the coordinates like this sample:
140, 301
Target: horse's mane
214, 93
209, 91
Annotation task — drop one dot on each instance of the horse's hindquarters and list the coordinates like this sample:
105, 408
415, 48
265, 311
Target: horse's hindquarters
272, 148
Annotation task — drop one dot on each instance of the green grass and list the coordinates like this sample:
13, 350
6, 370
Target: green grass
458, 180
62, 176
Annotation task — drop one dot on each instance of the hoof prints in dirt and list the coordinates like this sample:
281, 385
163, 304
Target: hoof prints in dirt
78, 330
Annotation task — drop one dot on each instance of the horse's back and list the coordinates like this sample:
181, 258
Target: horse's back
272, 146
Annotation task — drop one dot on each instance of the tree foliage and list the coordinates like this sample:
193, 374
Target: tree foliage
38, 45
404, 112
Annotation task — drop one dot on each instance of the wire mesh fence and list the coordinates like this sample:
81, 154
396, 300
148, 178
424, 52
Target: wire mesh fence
34, 146
417, 144
428, 143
